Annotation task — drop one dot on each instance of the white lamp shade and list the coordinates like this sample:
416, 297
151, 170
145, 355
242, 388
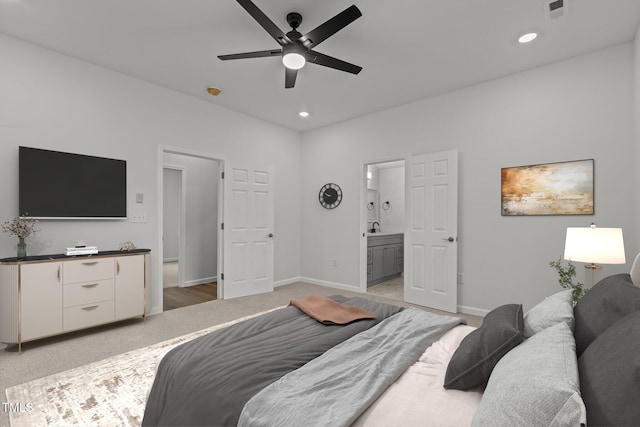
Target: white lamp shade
594, 245
293, 60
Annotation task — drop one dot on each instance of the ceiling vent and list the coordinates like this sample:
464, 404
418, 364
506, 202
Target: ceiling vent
556, 9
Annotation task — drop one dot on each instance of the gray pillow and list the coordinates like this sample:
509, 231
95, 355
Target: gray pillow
535, 384
609, 373
608, 301
553, 309
473, 361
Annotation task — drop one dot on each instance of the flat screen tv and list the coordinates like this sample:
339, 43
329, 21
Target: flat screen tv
54, 184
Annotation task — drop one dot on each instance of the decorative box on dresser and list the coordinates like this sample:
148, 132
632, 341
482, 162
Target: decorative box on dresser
42, 296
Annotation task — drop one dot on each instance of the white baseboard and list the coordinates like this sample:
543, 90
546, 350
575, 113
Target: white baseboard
472, 311
200, 281
330, 284
287, 281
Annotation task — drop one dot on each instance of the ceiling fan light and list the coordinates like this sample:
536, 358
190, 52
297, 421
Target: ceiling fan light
293, 60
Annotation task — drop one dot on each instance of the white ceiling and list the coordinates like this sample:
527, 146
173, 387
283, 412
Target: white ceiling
409, 49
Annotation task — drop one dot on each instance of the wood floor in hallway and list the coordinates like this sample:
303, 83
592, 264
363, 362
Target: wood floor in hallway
175, 297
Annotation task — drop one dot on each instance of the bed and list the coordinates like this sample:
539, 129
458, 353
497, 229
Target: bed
556, 365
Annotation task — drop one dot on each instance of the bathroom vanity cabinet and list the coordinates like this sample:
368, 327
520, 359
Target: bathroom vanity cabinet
385, 257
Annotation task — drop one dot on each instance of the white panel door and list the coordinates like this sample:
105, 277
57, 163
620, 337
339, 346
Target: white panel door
431, 242
248, 231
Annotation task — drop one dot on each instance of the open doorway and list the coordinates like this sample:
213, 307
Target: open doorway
385, 224
190, 229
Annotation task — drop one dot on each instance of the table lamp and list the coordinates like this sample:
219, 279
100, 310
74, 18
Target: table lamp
595, 246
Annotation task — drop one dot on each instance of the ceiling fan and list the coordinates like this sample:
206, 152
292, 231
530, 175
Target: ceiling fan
297, 49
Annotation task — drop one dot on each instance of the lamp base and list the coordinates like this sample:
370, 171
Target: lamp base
592, 274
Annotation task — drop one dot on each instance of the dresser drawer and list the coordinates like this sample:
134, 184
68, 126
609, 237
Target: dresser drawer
83, 316
87, 293
87, 269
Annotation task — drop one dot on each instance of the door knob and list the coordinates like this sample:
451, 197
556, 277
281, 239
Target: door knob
270, 235
449, 239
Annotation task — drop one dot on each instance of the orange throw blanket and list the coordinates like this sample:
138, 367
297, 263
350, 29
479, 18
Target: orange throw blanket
329, 312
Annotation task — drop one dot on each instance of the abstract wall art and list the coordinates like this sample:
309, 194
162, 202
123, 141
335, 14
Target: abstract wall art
563, 188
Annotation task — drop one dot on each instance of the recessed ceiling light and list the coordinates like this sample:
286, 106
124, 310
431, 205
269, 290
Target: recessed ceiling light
303, 114
526, 38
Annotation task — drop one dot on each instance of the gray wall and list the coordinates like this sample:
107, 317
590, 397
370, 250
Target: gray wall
53, 101
392, 191
172, 188
636, 115
585, 107
580, 108
201, 178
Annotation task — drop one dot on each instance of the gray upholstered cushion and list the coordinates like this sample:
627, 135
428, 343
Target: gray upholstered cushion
610, 375
473, 361
553, 309
535, 384
635, 271
608, 301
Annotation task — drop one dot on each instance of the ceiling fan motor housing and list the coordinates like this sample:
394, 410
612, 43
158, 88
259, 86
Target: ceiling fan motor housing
294, 19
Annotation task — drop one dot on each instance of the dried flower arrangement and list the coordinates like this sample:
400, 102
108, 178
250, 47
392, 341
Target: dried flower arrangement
127, 246
20, 226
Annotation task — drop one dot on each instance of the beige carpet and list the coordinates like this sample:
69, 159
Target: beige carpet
111, 392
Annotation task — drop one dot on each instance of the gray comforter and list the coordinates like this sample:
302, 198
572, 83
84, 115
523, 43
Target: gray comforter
335, 388
208, 381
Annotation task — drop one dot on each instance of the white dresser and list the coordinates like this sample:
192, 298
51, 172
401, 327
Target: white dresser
42, 296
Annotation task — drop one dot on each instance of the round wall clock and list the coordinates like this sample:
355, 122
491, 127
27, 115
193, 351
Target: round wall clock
330, 196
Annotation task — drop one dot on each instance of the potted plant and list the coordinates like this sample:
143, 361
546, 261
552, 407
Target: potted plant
21, 227
565, 278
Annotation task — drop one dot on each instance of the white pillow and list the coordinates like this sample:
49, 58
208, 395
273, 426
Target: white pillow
535, 384
552, 310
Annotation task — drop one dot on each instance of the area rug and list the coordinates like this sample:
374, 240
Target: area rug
111, 392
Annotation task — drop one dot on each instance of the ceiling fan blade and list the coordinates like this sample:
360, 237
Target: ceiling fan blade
290, 77
331, 62
257, 54
265, 22
332, 26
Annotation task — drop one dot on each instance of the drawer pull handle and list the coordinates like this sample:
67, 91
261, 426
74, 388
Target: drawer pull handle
90, 263
93, 307
92, 285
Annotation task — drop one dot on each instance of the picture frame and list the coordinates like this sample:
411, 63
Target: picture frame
561, 188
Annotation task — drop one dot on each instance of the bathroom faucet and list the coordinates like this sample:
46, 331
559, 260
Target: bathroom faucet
373, 226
